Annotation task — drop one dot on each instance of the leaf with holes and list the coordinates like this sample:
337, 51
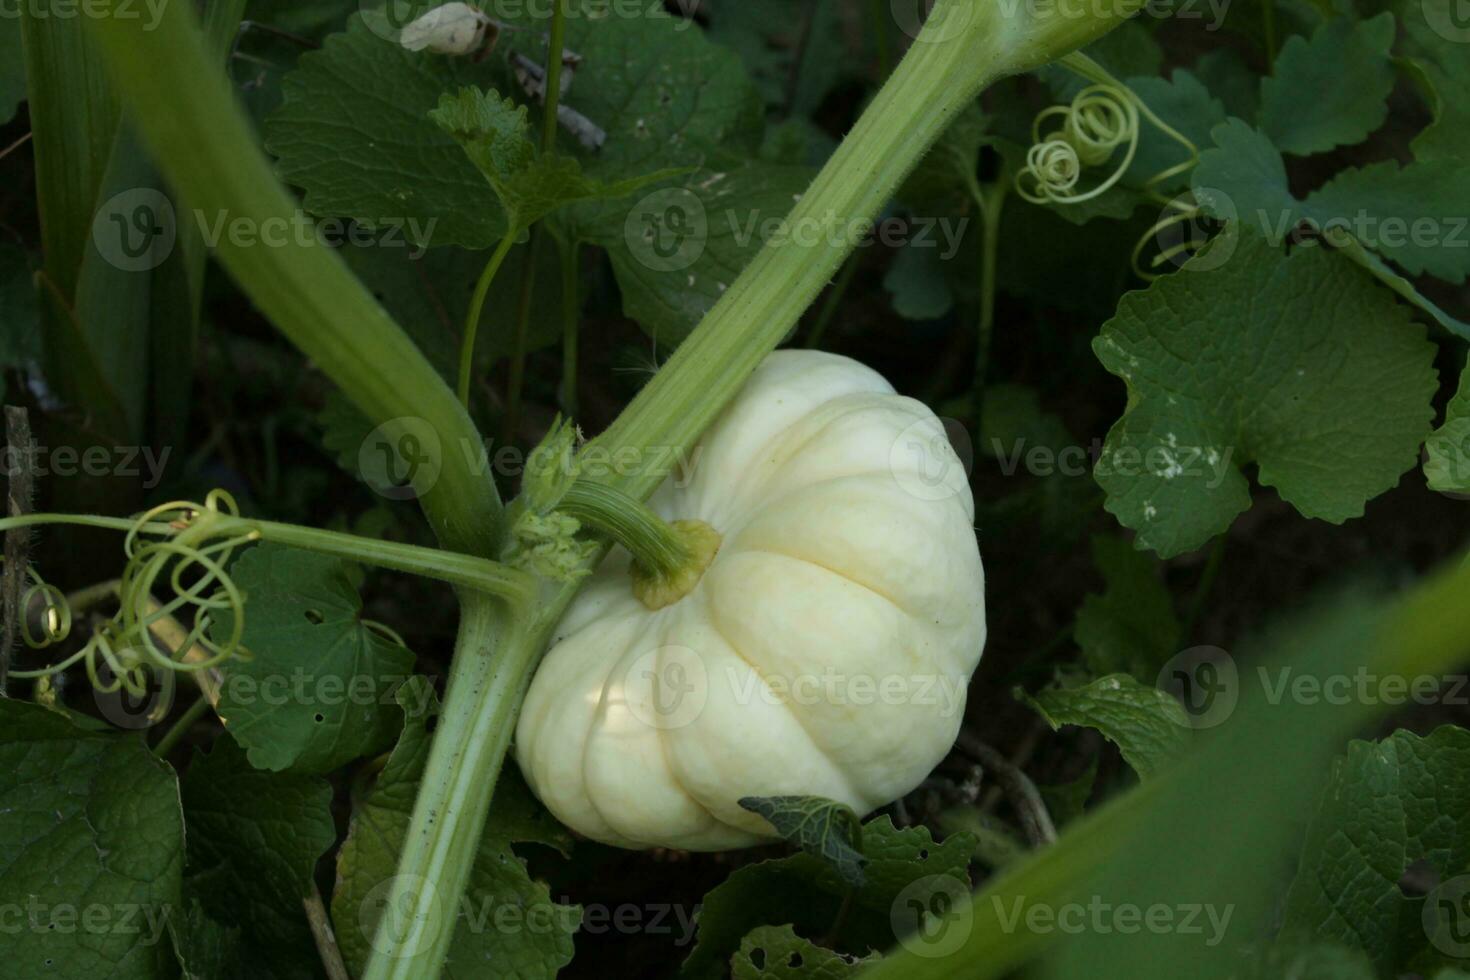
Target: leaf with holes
778, 953
315, 691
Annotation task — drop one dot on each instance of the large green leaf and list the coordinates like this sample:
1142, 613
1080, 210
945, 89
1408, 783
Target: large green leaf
508, 924
1299, 364
91, 850
314, 692
1389, 806
254, 841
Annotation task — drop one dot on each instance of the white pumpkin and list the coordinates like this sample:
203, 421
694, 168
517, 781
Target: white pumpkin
825, 650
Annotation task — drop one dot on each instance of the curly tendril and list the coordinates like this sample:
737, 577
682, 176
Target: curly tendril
1101, 118
171, 543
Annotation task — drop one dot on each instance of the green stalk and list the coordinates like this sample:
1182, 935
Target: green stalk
207, 150
964, 46
571, 309
460, 570
554, 47
477, 306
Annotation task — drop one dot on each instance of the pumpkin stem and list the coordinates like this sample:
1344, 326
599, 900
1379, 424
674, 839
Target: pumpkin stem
669, 558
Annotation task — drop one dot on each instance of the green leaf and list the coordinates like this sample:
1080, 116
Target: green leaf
254, 840
89, 825
1417, 215
778, 953
806, 892
1389, 805
496, 136
313, 694
12, 69
1331, 90
1244, 176
1132, 627
509, 925
821, 827
354, 133
917, 283
1263, 359
1448, 466
1148, 725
